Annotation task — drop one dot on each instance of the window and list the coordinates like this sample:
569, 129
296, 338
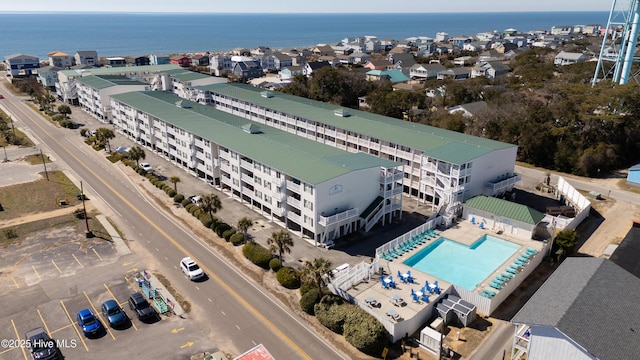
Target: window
258, 180
308, 204
308, 220
308, 188
234, 169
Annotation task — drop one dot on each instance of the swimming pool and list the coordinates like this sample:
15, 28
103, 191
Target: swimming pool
465, 266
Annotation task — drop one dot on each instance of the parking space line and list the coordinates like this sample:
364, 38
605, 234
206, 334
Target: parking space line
24, 353
36, 271
15, 282
43, 322
127, 263
6, 351
78, 261
98, 255
114, 298
60, 329
56, 265
105, 324
73, 324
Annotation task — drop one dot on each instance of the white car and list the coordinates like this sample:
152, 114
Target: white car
146, 167
191, 269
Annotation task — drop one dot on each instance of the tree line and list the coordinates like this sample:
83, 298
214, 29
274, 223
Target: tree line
554, 115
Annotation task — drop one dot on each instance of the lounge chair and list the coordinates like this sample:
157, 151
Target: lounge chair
392, 254
531, 251
520, 262
511, 271
525, 255
489, 292
484, 295
515, 266
507, 275
499, 280
495, 285
387, 257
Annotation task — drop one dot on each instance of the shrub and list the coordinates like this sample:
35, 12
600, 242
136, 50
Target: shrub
186, 202
227, 234
221, 228
214, 223
275, 264
257, 254
205, 219
365, 332
83, 132
79, 214
141, 171
166, 187
171, 192
51, 113
190, 208
237, 239
288, 277
332, 312
306, 287
10, 234
58, 117
66, 123
308, 301
178, 198
152, 178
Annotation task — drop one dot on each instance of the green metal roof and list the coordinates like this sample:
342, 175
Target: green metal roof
505, 209
185, 75
296, 156
120, 70
105, 81
446, 145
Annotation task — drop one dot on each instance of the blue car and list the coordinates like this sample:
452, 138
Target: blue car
90, 325
114, 313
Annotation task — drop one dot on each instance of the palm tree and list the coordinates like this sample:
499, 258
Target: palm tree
175, 180
315, 272
210, 203
280, 242
244, 225
136, 153
104, 135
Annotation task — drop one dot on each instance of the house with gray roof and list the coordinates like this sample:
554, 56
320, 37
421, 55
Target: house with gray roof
587, 309
458, 73
48, 76
87, 57
22, 65
470, 109
567, 58
490, 69
426, 71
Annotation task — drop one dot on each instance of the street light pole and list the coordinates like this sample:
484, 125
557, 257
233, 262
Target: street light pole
5, 153
89, 234
45, 165
14, 129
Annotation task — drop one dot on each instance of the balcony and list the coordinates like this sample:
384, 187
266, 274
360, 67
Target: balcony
293, 202
341, 216
277, 211
293, 186
246, 178
398, 176
503, 184
277, 196
294, 217
390, 193
247, 165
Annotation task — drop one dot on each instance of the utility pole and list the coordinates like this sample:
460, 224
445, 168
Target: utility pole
89, 234
7, 159
45, 165
14, 130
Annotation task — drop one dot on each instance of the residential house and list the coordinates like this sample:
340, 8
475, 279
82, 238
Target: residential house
459, 41
404, 60
504, 47
591, 30
476, 46
426, 50
87, 57
323, 50
60, 59
94, 93
490, 69
633, 176
464, 60
399, 49
260, 51
568, 58
290, 72
380, 64
470, 109
115, 61
561, 30
488, 36
22, 65
395, 76
442, 37
334, 60
241, 51
312, 66
360, 58
315, 190
373, 45
586, 309
458, 73
183, 61
48, 76
141, 61
444, 49
200, 60
281, 61
490, 55
159, 59
247, 69
219, 64
426, 71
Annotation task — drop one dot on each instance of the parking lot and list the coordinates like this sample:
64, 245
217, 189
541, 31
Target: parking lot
52, 275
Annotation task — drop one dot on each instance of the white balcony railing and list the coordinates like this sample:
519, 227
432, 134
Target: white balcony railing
341, 216
293, 202
293, 186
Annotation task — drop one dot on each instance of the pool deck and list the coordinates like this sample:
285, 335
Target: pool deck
463, 232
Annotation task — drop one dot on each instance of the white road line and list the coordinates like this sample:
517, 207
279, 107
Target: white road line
238, 327
223, 313
209, 299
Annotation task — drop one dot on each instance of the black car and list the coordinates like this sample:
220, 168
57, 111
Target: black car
141, 306
41, 346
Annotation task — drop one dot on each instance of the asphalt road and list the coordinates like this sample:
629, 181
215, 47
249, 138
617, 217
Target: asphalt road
234, 307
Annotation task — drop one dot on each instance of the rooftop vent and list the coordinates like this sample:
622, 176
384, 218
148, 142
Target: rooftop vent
182, 104
251, 129
266, 94
341, 112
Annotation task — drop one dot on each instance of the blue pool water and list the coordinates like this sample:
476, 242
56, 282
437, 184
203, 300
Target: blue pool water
465, 266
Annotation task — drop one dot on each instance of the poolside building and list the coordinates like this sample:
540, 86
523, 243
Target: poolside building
315, 190
443, 167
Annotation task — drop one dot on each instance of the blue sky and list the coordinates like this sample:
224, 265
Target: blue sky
325, 6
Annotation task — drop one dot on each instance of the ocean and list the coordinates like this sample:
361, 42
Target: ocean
116, 34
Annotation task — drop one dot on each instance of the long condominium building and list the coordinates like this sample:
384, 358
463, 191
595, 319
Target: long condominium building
442, 167
319, 191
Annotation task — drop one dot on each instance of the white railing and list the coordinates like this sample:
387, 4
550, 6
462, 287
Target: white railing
342, 216
391, 178
293, 186
497, 186
405, 237
294, 217
293, 201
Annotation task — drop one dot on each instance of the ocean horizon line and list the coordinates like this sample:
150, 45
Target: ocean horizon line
293, 13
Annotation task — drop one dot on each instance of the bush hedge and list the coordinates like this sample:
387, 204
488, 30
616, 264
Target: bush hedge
275, 264
306, 287
228, 233
221, 228
171, 192
364, 332
237, 239
257, 254
288, 277
190, 208
178, 198
332, 312
308, 301
205, 219
186, 202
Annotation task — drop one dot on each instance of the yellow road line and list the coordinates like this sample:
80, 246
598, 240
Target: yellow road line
43, 322
60, 329
78, 261
36, 271
97, 313
116, 300
15, 282
24, 353
6, 351
56, 265
98, 255
73, 324
175, 243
